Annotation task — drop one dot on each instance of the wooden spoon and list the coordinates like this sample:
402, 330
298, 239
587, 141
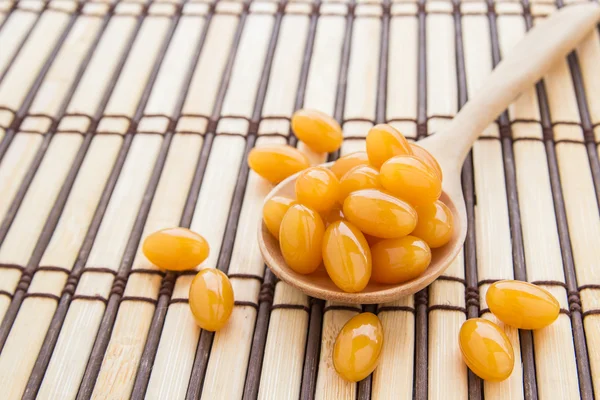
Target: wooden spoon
545, 44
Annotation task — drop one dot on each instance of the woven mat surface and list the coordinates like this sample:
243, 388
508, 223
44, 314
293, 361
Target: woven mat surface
121, 118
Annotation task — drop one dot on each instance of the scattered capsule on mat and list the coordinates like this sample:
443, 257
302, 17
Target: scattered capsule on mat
522, 305
399, 260
273, 212
211, 299
175, 249
275, 163
347, 256
349, 161
317, 188
427, 158
301, 238
318, 130
360, 177
379, 214
410, 179
384, 142
358, 346
434, 224
486, 349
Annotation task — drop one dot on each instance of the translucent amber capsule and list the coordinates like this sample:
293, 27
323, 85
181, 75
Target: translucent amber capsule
385, 142
333, 215
410, 179
275, 163
399, 260
318, 130
347, 256
357, 347
361, 177
427, 158
175, 249
522, 304
301, 238
211, 299
349, 161
273, 212
317, 188
435, 224
486, 349
379, 214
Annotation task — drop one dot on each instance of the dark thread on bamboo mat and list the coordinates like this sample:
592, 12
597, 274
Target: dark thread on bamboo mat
12, 266
85, 297
147, 271
579, 340
53, 269
472, 300
110, 314
176, 300
98, 270
384, 309
342, 308
447, 307
60, 314
590, 312
550, 283
300, 307
164, 300
41, 296
589, 287
5, 293
140, 299
203, 352
246, 304
519, 264
259, 338
267, 290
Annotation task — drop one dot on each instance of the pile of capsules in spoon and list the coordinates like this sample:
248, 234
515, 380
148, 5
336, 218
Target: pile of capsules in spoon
373, 215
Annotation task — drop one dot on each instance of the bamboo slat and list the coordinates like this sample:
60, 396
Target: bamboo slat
541, 245
494, 259
121, 118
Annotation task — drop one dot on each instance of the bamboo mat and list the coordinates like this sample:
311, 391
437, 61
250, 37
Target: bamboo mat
118, 118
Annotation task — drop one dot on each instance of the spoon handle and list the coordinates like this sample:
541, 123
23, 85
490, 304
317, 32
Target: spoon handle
549, 41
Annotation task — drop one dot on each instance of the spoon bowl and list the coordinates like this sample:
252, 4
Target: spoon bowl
319, 285
545, 44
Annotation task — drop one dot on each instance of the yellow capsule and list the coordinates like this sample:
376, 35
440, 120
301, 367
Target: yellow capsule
410, 179
301, 238
275, 163
361, 177
318, 130
347, 256
211, 299
399, 260
358, 346
486, 349
175, 249
427, 158
379, 214
384, 142
349, 161
522, 305
317, 188
435, 224
333, 215
273, 212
